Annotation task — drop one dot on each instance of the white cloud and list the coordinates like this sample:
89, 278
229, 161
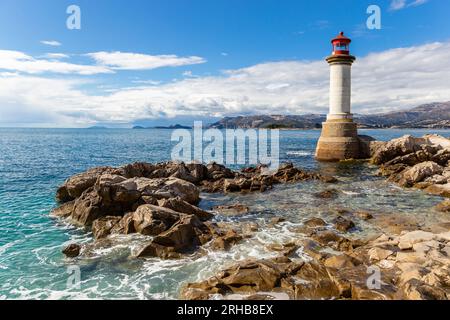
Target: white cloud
224, 54
401, 4
56, 56
136, 61
52, 43
384, 81
21, 62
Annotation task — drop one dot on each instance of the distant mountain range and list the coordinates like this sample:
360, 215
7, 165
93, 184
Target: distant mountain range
177, 126
432, 115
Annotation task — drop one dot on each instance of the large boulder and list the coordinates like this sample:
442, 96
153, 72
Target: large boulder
217, 171
438, 140
174, 187
77, 184
138, 169
179, 205
397, 147
184, 236
152, 220
418, 173
442, 190
101, 228
248, 276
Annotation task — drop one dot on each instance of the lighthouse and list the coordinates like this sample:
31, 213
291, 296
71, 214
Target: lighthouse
339, 139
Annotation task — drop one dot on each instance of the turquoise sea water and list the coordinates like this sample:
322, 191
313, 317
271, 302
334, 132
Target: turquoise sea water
33, 162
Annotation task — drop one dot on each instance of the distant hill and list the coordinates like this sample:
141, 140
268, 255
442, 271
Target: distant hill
177, 126
271, 122
433, 115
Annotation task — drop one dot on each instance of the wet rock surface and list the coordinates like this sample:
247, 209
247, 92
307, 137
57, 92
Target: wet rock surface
419, 272
158, 204
159, 201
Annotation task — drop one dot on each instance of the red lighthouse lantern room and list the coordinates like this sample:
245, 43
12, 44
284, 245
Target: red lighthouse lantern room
341, 44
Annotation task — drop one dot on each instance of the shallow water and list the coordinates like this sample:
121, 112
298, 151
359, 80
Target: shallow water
33, 162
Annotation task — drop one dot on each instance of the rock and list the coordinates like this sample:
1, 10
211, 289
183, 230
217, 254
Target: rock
138, 170
328, 179
417, 290
343, 224
436, 179
326, 237
391, 170
232, 210
444, 206
442, 156
397, 147
407, 240
72, 250
198, 171
418, 173
225, 240
394, 223
217, 172
245, 277
353, 283
101, 228
411, 257
438, 140
311, 282
152, 220
185, 235
315, 222
364, 215
276, 220
378, 254
444, 236
340, 261
179, 205
411, 159
63, 211
77, 184
327, 194
442, 190
173, 188
89, 207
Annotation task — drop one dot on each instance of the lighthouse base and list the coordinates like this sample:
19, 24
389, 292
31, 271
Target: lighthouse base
338, 141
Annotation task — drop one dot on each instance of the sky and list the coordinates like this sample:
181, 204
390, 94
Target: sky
161, 62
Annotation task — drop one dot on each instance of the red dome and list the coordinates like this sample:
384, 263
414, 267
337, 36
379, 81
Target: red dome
341, 38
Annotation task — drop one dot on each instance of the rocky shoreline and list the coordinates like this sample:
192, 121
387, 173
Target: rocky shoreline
160, 203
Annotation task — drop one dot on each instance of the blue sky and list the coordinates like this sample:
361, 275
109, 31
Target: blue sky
158, 61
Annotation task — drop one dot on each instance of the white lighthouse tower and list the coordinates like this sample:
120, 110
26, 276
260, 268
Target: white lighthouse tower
339, 138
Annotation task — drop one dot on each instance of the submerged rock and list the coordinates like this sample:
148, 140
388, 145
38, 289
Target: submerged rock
232, 210
72, 250
342, 224
327, 194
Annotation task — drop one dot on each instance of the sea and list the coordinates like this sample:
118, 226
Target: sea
34, 162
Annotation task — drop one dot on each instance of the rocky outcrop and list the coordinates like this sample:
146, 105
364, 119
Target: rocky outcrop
257, 178
159, 201
416, 162
184, 236
411, 266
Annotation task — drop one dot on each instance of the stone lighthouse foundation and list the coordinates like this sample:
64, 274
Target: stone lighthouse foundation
339, 139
